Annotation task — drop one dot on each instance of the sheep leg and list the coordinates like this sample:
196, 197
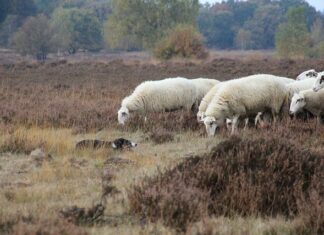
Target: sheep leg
246, 123
318, 121
257, 119
274, 116
234, 124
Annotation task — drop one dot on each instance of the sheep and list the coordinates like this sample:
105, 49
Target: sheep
206, 100
203, 86
243, 97
208, 97
310, 101
164, 95
307, 74
319, 82
298, 86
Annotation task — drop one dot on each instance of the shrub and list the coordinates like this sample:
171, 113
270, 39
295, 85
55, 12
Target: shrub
35, 37
183, 41
250, 177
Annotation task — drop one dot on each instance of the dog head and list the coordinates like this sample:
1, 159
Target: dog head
122, 143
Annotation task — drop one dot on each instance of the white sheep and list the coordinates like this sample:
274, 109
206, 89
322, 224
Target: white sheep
209, 96
203, 86
206, 100
298, 86
310, 101
319, 82
307, 74
244, 97
164, 95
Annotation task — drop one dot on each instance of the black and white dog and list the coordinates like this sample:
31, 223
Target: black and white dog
119, 144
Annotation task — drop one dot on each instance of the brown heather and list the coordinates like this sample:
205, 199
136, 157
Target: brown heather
268, 181
87, 95
261, 176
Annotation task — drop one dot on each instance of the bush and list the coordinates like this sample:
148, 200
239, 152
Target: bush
250, 177
183, 41
35, 37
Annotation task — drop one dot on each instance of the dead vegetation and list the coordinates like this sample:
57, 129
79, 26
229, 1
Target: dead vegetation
86, 95
270, 179
240, 177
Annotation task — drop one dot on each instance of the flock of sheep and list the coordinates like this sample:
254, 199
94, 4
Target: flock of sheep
262, 97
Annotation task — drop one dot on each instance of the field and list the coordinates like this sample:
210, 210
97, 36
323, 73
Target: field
175, 181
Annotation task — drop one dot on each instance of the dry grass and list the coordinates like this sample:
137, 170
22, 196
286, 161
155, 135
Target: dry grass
251, 225
74, 177
59, 103
265, 176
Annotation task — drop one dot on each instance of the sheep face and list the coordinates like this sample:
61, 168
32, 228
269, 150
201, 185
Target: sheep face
200, 116
319, 83
211, 124
123, 115
297, 103
307, 74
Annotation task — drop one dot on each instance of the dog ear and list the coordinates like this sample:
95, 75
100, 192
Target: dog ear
113, 145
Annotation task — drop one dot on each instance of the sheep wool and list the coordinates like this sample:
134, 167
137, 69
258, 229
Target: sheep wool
206, 100
310, 101
203, 86
167, 94
300, 85
247, 96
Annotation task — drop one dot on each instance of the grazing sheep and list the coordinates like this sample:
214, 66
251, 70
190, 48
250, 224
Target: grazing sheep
297, 86
154, 96
310, 101
165, 95
282, 79
244, 97
203, 86
206, 100
307, 74
319, 82
209, 96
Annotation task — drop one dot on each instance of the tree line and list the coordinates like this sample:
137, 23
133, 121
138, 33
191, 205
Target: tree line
38, 27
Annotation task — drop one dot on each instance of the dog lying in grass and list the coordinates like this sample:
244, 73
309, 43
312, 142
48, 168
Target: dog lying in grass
117, 144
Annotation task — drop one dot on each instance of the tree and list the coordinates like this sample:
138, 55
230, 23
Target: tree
8, 27
216, 28
146, 21
263, 26
35, 37
46, 6
23, 8
292, 39
243, 39
182, 41
4, 9
77, 29
317, 31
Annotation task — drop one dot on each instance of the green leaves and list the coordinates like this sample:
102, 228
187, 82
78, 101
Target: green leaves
141, 23
35, 37
292, 38
77, 29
